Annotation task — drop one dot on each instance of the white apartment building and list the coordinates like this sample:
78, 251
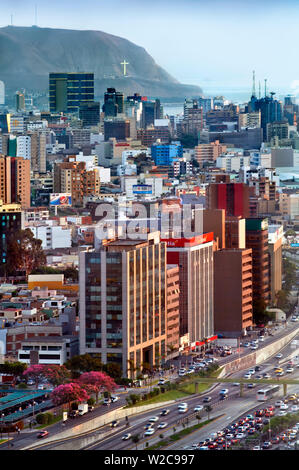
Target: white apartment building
24, 146
52, 236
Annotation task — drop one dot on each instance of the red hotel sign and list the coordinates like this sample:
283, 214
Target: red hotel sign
193, 241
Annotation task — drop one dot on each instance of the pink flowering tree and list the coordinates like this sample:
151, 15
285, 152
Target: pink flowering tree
55, 374
97, 382
67, 393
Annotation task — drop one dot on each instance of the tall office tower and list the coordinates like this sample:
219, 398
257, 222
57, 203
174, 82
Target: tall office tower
213, 220
209, 152
235, 232
15, 181
20, 101
123, 302
257, 240
233, 197
67, 91
24, 146
173, 310
5, 123
270, 108
232, 291
195, 260
113, 103
206, 104
38, 151
117, 128
2, 93
12, 220
275, 234
151, 110
89, 113
193, 119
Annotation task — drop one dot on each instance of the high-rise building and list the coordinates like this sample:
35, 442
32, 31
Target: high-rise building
275, 234
151, 110
232, 291
233, 197
20, 101
209, 152
12, 220
123, 302
257, 240
113, 103
89, 113
38, 151
270, 108
117, 128
2, 93
67, 91
15, 181
173, 310
195, 260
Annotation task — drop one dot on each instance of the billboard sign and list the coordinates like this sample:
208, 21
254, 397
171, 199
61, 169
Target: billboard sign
60, 199
142, 189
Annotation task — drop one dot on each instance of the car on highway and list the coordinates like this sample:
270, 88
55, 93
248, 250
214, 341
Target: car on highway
149, 432
289, 370
182, 372
162, 425
73, 413
154, 419
278, 403
162, 382
190, 371
247, 376
114, 399
256, 448
148, 426
266, 445
246, 345
266, 376
251, 371
282, 413
30, 382
284, 406
278, 356
164, 412
236, 384
106, 401
198, 408
240, 435
126, 437
114, 423
223, 391
257, 368
251, 385
280, 374
254, 347
294, 408
183, 405
42, 434
207, 399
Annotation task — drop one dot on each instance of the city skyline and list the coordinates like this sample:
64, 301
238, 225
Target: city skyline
182, 27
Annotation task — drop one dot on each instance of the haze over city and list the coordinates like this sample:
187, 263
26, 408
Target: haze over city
214, 44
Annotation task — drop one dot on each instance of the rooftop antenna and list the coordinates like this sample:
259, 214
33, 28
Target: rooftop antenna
253, 83
265, 87
259, 90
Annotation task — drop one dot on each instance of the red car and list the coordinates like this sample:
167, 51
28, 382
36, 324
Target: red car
42, 434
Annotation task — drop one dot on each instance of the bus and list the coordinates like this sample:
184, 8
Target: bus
266, 393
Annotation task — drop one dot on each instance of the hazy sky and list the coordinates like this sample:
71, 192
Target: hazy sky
208, 43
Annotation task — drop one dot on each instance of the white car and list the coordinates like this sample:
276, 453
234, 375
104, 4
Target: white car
236, 384
224, 391
114, 399
161, 382
289, 370
198, 408
294, 408
247, 376
256, 448
183, 405
190, 371
254, 346
284, 406
282, 413
154, 419
240, 435
251, 371
162, 425
126, 437
246, 345
278, 403
149, 432
278, 356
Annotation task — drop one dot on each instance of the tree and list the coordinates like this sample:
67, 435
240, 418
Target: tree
66, 393
24, 252
55, 374
98, 382
84, 363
